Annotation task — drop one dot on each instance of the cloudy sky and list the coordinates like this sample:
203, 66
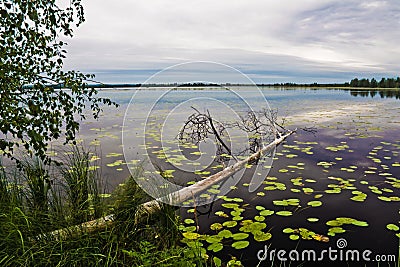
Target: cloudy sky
269, 40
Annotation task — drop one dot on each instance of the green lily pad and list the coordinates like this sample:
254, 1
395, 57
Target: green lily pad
314, 203
334, 223
392, 227
259, 218
240, 244
230, 205
294, 237
260, 236
240, 236
221, 214
191, 236
360, 223
284, 213
190, 229
253, 227
312, 219
336, 230
217, 262
189, 221
267, 212
225, 234
230, 224
215, 247
214, 239
288, 230
216, 226
386, 199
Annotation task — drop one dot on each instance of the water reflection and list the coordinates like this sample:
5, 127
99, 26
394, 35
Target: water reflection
383, 93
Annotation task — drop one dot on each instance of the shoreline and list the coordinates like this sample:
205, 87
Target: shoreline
224, 87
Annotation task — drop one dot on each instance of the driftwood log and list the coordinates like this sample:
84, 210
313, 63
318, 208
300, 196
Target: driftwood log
175, 198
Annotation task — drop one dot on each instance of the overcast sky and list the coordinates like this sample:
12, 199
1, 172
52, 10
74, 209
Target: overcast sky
269, 40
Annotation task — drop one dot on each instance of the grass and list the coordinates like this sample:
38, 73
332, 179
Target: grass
37, 199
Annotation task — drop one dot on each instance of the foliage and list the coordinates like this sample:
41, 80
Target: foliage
35, 105
383, 83
24, 230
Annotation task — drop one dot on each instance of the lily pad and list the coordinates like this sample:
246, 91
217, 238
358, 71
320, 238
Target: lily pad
213, 239
215, 247
259, 218
312, 219
284, 213
189, 221
225, 234
260, 236
288, 230
240, 236
216, 226
191, 236
266, 212
230, 224
392, 227
314, 203
240, 244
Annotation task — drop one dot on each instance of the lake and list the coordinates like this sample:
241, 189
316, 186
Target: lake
335, 187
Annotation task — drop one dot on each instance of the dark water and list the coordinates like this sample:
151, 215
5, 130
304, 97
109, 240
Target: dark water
375, 212
355, 151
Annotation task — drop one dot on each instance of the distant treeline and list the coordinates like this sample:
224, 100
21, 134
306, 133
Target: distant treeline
383, 83
365, 83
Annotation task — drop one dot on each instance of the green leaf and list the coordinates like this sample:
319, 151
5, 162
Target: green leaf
189, 221
259, 218
267, 212
314, 203
190, 235
214, 239
225, 234
240, 244
215, 247
216, 226
284, 213
229, 224
217, 262
360, 223
392, 227
288, 230
230, 205
260, 236
336, 230
240, 236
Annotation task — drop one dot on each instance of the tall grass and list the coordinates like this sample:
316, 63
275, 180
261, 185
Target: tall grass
81, 186
37, 199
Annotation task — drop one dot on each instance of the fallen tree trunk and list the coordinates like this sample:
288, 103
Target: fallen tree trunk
175, 198
187, 193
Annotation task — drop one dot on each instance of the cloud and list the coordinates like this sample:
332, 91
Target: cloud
309, 40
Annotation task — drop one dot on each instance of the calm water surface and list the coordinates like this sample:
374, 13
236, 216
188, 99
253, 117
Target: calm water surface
349, 166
